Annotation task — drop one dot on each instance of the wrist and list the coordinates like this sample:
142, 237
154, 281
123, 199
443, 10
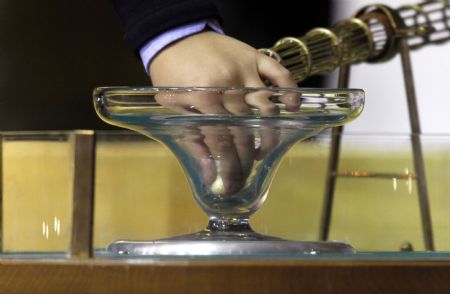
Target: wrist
149, 51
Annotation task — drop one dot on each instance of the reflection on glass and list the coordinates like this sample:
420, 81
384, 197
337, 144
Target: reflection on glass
37, 191
229, 142
376, 206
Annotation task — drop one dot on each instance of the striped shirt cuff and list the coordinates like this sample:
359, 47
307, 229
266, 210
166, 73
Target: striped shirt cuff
155, 45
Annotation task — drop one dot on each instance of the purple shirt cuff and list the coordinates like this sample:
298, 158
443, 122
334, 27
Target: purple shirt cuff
152, 47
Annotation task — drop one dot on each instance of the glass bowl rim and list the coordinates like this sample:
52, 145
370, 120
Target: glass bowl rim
299, 90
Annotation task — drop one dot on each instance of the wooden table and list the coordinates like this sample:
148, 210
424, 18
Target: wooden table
224, 276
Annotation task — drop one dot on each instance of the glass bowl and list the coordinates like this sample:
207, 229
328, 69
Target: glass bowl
229, 142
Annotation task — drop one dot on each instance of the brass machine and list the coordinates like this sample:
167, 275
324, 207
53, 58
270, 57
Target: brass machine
376, 33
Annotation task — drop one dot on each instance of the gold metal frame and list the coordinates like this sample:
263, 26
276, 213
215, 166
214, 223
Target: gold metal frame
376, 33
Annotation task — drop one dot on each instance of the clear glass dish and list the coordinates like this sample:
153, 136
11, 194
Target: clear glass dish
229, 142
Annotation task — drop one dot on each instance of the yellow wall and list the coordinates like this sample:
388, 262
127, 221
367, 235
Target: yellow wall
141, 193
37, 194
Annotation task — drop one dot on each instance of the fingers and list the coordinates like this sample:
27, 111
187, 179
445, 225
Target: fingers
192, 143
277, 74
269, 139
260, 99
235, 103
224, 157
214, 102
244, 142
291, 101
221, 147
209, 102
177, 102
195, 102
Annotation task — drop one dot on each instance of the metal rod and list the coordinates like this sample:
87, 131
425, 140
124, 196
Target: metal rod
83, 194
333, 162
419, 165
375, 175
1, 194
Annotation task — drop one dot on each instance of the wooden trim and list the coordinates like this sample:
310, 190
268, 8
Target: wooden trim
224, 276
83, 194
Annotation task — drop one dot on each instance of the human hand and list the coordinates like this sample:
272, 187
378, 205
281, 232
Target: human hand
209, 59
224, 150
225, 155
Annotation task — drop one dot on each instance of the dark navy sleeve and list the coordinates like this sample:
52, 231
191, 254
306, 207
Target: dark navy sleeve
145, 19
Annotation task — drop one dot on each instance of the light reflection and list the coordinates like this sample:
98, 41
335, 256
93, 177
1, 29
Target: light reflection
257, 142
409, 183
56, 227
202, 249
394, 183
45, 229
407, 176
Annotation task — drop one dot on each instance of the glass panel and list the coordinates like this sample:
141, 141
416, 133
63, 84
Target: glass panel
376, 201
143, 195
37, 179
293, 206
141, 191
437, 164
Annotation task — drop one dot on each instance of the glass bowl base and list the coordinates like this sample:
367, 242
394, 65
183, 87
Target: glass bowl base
180, 246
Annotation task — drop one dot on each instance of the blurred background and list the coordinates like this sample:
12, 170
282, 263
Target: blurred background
53, 53
386, 109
